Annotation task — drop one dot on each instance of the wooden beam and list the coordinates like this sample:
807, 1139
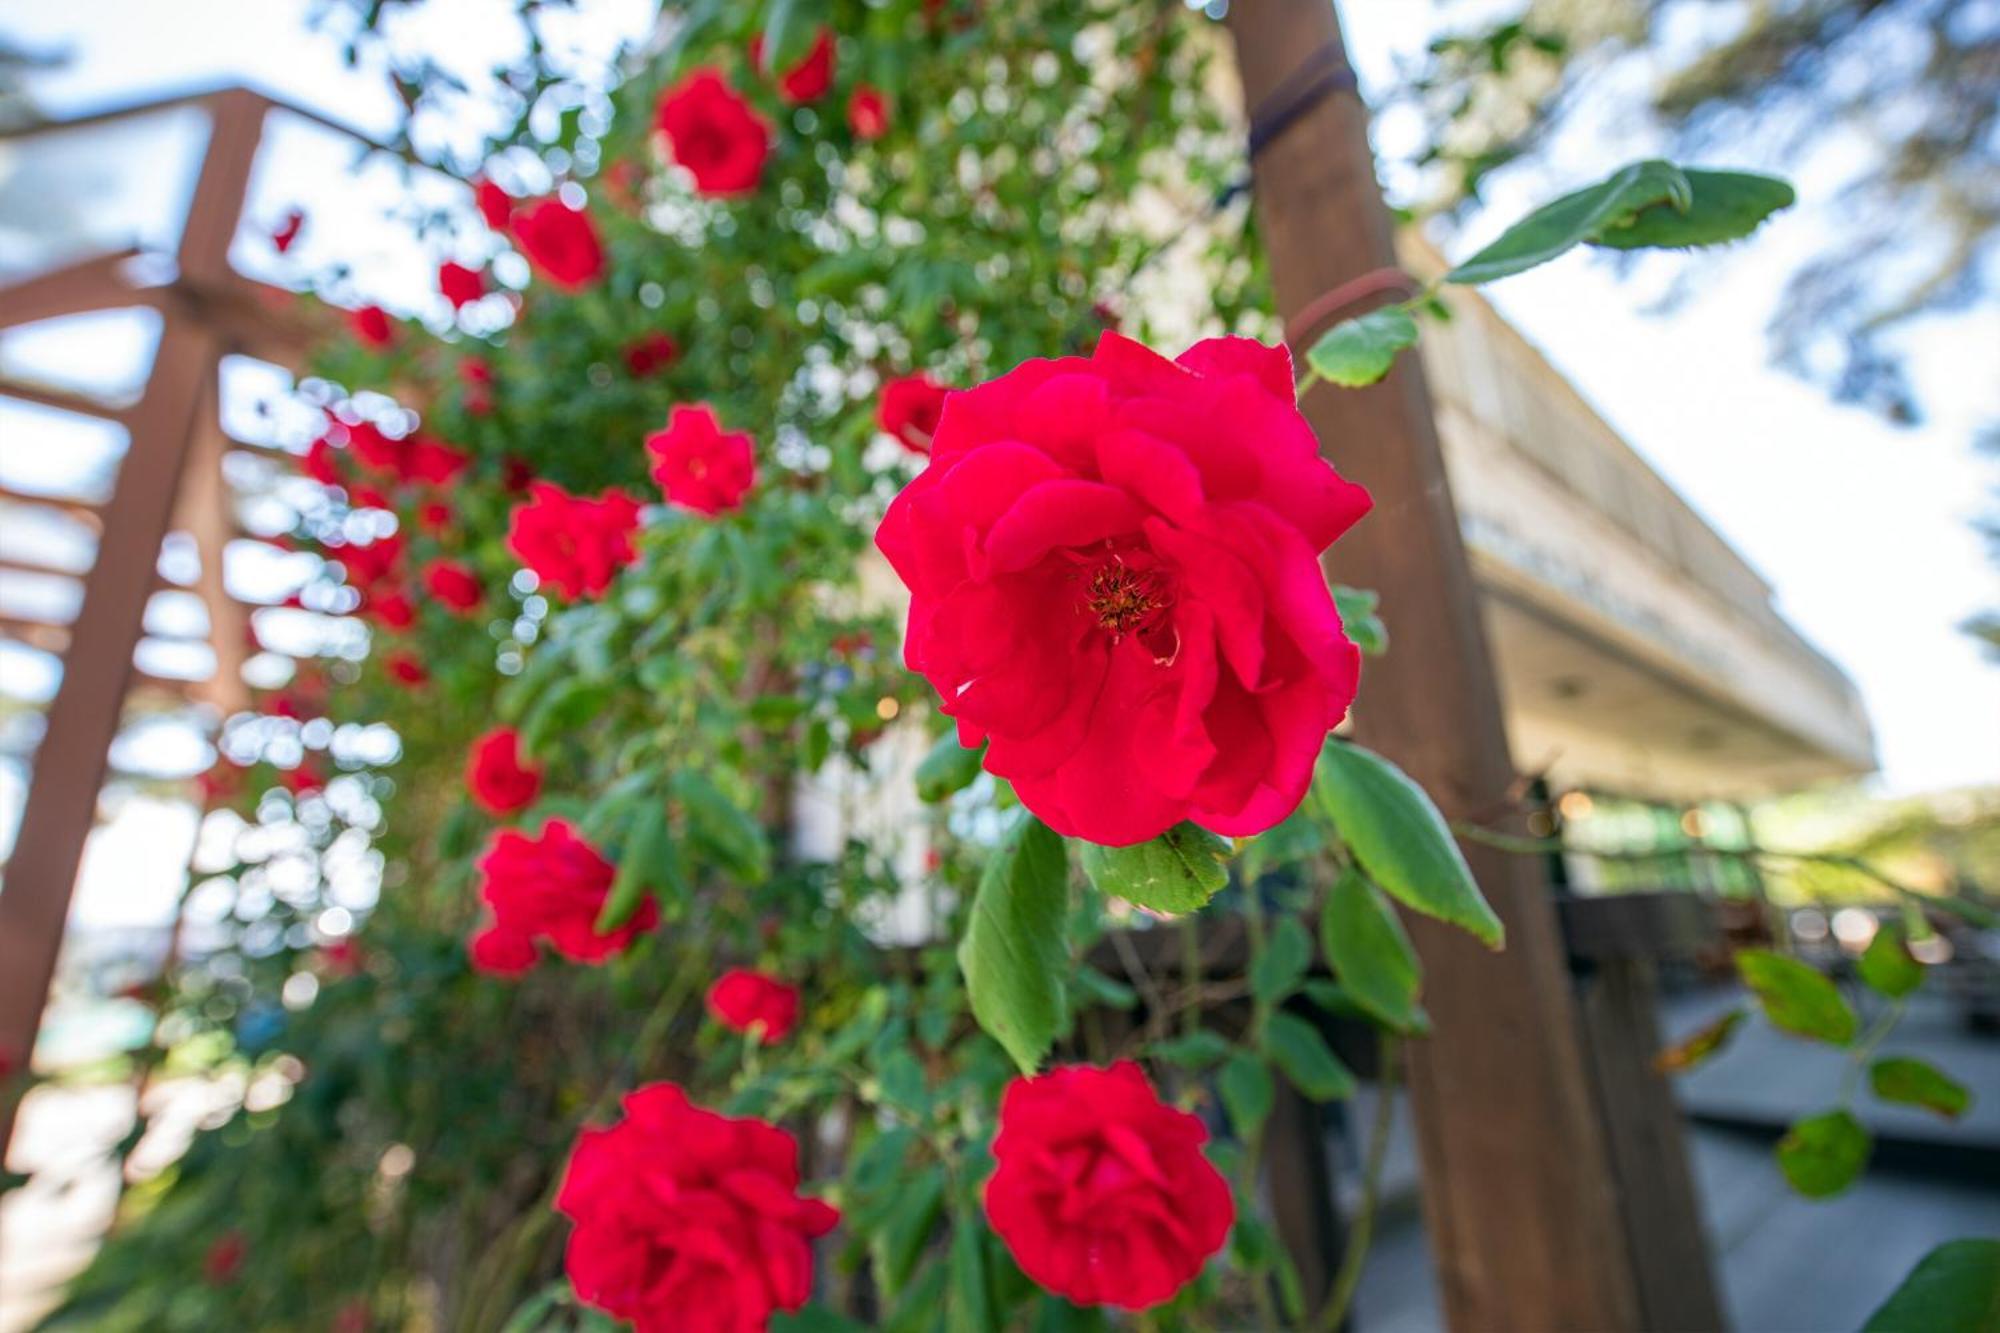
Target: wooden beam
84, 717
1517, 1183
79, 288
63, 400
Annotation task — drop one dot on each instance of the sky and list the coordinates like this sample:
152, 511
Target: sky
1861, 528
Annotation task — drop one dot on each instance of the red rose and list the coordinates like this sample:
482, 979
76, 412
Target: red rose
715, 134
370, 566
686, 1219
574, 545
460, 285
745, 1001
560, 242
435, 517
453, 584
909, 410
371, 325
552, 887
808, 80
302, 780
516, 475
1100, 1190
477, 377
867, 113
321, 462
495, 204
224, 1258
651, 354
368, 497
698, 464
342, 957
377, 452
405, 669
429, 460
1114, 579
287, 231
393, 610
498, 779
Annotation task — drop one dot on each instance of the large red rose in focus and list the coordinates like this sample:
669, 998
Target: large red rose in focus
550, 887
742, 1000
574, 545
688, 1220
1101, 1191
1114, 580
715, 134
560, 242
698, 464
496, 775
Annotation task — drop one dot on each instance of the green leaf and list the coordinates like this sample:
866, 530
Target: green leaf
1796, 996
1723, 206
1358, 617
1366, 945
1699, 1046
1296, 1047
789, 29
1177, 872
1557, 227
813, 1319
1014, 953
1279, 968
1913, 1082
1953, 1289
1887, 967
1400, 839
899, 1243
1194, 1050
949, 767
1360, 351
971, 1292
1822, 1154
1098, 988
737, 839
628, 882
1245, 1085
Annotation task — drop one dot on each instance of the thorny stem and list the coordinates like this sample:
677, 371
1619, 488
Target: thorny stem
1348, 1279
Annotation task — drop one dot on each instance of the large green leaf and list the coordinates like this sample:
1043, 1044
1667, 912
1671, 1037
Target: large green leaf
726, 828
1369, 952
1360, 351
636, 861
1400, 838
1796, 996
1179, 871
1822, 1154
949, 767
1014, 953
1953, 1289
1887, 966
1914, 1082
1557, 227
1722, 206
1296, 1047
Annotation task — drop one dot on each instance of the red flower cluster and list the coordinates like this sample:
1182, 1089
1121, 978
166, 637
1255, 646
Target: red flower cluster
699, 465
371, 326
686, 1219
867, 113
649, 355
808, 80
460, 285
550, 887
746, 1001
496, 775
574, 545
1101, 1191
560, 242
714, 133
408, 458
406, 669
1114, 579
909, 410
454, 585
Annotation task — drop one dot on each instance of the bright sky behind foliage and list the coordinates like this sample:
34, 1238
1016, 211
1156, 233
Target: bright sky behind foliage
1860, 526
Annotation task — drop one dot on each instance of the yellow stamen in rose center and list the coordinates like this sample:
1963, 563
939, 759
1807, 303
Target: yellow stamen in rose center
1124, 599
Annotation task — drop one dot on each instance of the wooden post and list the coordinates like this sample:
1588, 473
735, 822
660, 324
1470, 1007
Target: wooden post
97, 666
1518, 1190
